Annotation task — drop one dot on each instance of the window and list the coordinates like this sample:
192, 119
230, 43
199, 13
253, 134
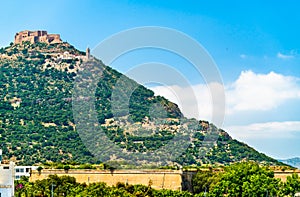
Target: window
6, 167
19, 169
27, 169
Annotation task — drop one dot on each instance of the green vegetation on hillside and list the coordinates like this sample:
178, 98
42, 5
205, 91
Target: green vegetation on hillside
37, 124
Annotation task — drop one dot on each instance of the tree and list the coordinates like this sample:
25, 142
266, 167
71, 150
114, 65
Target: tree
292, 185
203, 181
246, 179
167, 193
39, 169
66, 168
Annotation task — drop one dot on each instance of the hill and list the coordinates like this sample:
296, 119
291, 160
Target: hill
295, 162
37, 123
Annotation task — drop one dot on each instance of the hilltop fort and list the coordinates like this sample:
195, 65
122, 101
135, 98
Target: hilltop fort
37, 36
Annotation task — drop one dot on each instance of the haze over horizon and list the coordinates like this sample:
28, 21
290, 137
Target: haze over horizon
254, 44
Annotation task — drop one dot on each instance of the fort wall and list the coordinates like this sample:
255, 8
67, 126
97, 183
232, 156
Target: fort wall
284, 174
159, 179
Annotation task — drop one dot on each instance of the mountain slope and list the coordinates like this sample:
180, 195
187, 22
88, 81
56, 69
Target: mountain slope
295, 162
37, 124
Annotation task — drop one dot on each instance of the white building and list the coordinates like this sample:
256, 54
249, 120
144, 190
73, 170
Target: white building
7, 176
23, 171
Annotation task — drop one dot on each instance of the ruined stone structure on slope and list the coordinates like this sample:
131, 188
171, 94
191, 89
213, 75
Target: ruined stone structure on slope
37, 36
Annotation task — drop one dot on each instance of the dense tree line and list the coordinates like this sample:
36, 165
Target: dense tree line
67, 186
245, 179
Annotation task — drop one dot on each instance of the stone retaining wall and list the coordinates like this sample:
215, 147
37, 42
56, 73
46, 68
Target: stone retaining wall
160, 179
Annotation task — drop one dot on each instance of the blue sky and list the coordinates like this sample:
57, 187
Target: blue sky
255, 45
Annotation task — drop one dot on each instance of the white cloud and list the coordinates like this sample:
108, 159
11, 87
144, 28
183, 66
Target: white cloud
283, 56
194, 102
259, 92
250, 92
268, 130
